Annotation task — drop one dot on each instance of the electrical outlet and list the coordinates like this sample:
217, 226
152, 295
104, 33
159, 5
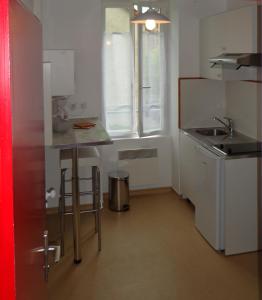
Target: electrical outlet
83, 105
73, 106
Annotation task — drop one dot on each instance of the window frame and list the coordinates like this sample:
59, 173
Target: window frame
163, 5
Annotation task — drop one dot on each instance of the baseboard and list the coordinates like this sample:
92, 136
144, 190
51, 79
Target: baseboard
145, 192
177, 191
133, 193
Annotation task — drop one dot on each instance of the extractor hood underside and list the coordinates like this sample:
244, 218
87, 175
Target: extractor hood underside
236, 60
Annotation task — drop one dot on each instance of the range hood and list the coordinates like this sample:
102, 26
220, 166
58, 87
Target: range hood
236, 60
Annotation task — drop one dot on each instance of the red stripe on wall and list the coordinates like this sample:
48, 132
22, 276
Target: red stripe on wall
7, 258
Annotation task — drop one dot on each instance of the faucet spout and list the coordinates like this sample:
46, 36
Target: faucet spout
228, 125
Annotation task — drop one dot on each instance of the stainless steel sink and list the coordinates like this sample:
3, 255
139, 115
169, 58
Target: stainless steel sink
211, 131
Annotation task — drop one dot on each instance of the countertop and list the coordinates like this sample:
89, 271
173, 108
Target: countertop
82, 137
208, 141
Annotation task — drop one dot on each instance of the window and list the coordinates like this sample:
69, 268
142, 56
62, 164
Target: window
134, 71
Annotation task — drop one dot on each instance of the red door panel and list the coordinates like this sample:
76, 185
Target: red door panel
24, 112
7, 267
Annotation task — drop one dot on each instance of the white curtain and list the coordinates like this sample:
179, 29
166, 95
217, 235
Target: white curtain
118, 77
153, 81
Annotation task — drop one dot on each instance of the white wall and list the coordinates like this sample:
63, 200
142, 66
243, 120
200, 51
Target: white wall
29, 4
144, 173
77, 25
188, 45
173, 93
35, 6
201, 99
234, 4
201, 8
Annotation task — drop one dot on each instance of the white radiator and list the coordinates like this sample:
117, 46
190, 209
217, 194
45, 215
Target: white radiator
142, 166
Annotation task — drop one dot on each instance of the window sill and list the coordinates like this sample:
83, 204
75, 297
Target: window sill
136, 137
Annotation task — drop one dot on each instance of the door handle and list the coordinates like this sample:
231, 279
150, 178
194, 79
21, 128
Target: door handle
57, 250
145, 87
46, 249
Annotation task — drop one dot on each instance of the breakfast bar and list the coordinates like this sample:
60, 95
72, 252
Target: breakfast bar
76, 138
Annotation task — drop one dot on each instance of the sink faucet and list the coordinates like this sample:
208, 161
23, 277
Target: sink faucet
228, 125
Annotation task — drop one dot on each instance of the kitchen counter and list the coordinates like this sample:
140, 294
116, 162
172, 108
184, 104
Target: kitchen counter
208, 142
82, 137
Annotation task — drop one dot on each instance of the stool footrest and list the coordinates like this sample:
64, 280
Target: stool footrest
86, 158
85, 211
67, 195
82, 178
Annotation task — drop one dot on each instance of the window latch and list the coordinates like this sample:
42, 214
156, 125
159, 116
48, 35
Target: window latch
145, 87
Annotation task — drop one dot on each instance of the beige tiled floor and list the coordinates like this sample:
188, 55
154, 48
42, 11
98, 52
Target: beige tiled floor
151, 252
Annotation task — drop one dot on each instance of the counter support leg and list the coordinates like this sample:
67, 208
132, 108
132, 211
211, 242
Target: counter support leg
94, 191
76, 206
62, 211
98, 207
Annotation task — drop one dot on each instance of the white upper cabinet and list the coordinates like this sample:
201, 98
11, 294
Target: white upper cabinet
231, 32
62, 71
241, 30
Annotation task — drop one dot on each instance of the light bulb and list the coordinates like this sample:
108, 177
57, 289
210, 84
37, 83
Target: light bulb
150, 24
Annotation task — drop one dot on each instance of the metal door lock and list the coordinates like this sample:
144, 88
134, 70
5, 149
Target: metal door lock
50, 194
46, 250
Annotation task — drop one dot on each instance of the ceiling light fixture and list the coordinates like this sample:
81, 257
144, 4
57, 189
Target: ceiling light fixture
150, 24
150, 18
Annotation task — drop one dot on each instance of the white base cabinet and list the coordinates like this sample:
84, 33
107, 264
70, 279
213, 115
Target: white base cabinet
241, 205
224, 193
209, 205
189, 168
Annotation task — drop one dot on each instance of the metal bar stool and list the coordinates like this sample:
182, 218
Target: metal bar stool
88, 157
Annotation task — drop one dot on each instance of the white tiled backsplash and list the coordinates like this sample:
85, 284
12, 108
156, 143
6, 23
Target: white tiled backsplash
240, 100
242, 105
200, 100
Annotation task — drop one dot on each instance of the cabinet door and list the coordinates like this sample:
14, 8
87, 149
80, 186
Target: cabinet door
241, 206
207, 217
212, 43
241, 30
189, 171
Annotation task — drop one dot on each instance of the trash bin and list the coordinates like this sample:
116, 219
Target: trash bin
118, 190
